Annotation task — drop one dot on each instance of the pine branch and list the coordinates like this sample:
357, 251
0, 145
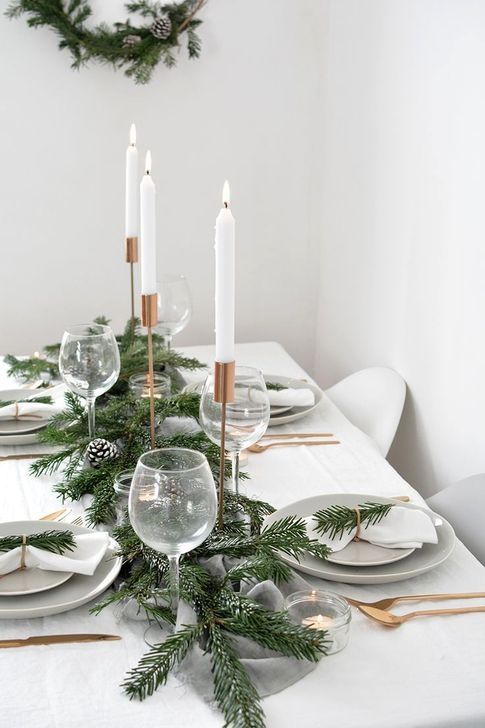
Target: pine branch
234, 692
154, 668
336, 519
56, 542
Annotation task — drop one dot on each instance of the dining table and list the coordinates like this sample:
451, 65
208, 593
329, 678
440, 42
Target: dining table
427, 673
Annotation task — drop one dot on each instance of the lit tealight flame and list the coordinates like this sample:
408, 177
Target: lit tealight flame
226, 194
133, 135
148, 162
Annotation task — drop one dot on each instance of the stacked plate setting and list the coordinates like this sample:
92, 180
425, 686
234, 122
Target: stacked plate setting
21, 432
361, 562
35, 592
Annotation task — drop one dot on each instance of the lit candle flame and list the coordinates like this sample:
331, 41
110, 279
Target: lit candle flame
226, 194
148, 163
133, 135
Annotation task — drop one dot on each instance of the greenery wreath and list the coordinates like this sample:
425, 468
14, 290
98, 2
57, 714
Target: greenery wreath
138, 49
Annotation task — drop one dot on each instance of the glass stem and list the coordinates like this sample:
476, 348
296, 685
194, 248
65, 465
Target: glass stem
235, 472
173, 563
91, 416
168, 342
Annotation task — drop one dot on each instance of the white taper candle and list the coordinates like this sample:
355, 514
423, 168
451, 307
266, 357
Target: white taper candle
148, 231
131, 187
225, 275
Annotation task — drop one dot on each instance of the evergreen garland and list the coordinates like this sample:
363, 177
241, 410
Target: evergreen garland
56, 542
138, 49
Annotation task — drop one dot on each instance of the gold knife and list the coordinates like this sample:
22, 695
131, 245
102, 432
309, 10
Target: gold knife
53, 516
55, 639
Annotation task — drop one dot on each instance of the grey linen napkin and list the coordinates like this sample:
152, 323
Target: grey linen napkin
269, 671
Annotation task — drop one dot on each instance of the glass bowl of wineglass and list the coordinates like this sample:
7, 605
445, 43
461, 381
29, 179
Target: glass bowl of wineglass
247, 416
173, 505
89, 363
174, 306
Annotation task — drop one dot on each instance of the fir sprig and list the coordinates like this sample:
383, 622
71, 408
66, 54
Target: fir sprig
337, 519
56, 542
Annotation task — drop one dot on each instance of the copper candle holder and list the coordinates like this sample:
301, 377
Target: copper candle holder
131, 257
149, 312
224, 379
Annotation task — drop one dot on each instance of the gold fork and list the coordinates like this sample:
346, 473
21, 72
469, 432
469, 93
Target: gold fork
394, 620
296, 435
262, 448
386, 603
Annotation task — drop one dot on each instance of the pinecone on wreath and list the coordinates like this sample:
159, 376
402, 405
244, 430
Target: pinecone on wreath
131, 41
162, 27
100, 450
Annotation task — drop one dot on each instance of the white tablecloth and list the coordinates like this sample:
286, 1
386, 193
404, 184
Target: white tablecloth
427, 673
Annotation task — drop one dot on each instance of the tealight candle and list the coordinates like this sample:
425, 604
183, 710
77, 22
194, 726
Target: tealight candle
319, 621
324, 611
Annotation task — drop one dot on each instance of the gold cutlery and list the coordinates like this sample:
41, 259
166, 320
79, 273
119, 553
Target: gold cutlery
402, 498
53, 516
262, 448
394, 620
55, 639
296, 435
389, 602
26, 456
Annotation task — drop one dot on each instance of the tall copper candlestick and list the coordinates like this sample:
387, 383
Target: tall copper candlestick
149, 319
224, 378
131, 256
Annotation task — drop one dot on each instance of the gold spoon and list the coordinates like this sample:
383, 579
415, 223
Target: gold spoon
261, 448
394, 620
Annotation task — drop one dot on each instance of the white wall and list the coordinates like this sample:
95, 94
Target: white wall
243, 111
403, 259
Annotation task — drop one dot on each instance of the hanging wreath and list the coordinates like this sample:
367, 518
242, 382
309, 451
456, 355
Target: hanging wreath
138, 49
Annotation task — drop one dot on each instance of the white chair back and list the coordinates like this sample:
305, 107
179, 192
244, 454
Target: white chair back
373, 400
463, 505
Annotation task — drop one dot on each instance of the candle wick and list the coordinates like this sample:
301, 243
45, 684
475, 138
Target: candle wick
226, 205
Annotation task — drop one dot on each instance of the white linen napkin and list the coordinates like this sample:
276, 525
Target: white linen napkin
291, 397
402, 528
28, 411
90, 549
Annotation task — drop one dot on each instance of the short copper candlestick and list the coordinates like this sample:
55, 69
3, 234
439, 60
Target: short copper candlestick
131, 257
149, 306
224, 378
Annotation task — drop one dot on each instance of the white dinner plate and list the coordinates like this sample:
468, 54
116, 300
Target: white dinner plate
31, 581
428, 557
363, 553
285, 415
74, 592
21, 427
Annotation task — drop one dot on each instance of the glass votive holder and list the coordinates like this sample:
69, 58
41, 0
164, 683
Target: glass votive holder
122, 487
321, 610
139, 385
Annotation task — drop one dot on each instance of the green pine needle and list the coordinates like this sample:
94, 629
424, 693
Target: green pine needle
337, 519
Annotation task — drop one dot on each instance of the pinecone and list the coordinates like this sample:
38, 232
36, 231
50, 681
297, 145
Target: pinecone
100, 450
130, 41
162, 27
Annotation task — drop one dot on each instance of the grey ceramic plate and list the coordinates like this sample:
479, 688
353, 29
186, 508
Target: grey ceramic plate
363, 553
31, 581
286, 414
421, 560
73, 593
30, 432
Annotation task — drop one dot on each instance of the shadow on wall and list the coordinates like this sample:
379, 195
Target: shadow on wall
410, 454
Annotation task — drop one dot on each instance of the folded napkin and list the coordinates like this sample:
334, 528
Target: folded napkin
90, 549
291, 397
401, 528
28, 411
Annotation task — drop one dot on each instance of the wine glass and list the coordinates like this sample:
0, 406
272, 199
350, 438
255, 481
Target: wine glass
173, 505
247, 416
174, 306
89, 363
